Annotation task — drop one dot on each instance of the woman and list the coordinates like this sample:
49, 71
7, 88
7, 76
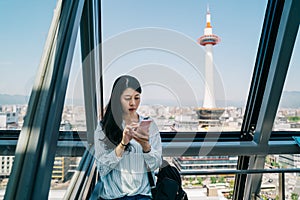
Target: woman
123, 148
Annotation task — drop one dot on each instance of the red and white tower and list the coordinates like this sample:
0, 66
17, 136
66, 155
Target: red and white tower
209, 114
209, 40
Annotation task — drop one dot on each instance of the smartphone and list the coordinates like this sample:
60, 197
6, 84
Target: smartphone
145, 124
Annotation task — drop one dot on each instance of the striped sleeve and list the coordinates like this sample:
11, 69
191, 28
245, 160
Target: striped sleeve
153, 158
106, 159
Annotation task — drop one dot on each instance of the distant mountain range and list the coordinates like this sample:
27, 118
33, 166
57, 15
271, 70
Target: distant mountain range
290, 99
13, 99
6, 99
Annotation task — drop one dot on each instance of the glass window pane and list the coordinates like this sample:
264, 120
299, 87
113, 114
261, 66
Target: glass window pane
73, 116
19, 61
161, 50
22, 40
288, 113
157, 42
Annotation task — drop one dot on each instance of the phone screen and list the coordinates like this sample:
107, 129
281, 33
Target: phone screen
145, 124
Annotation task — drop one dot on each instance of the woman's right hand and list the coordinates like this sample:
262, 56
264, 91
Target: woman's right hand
127, 133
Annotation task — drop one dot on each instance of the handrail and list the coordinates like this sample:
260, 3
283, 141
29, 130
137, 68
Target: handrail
249, 171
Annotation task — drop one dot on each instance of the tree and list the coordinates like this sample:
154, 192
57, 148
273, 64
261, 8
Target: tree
200, 180
295, 196
231, 186
213, 179
221, 179
294, 119
275, 164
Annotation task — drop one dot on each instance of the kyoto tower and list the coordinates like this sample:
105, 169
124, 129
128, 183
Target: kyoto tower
209, 114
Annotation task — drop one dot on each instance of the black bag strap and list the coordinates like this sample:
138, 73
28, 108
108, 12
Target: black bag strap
150, 177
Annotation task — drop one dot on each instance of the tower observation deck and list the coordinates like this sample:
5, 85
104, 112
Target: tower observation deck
208, 39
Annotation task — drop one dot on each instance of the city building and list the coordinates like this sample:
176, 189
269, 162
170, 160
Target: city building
6, 163
64, 168
198, 163
3, 120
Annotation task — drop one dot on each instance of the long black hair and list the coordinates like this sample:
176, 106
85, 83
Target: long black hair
112, 119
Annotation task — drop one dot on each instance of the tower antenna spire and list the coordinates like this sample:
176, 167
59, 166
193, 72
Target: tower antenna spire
208, 24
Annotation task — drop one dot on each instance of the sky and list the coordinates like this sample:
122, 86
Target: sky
153, 40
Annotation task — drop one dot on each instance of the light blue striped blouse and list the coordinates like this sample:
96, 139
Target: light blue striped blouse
126, 175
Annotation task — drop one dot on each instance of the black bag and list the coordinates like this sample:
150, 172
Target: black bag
168, 184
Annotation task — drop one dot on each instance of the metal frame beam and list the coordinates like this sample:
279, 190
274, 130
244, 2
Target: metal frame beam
228, 148
91, 59
84, 180
283, 48
76, 148
258, 84
73, 143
